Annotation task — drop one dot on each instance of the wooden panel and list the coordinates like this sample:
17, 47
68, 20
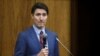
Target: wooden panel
14, 17
1, 21
59, 21
63, 24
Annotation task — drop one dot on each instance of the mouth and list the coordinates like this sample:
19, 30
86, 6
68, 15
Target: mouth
41, 22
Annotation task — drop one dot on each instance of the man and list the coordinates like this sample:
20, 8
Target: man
28, 42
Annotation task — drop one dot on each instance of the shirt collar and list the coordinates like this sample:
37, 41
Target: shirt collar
38, 30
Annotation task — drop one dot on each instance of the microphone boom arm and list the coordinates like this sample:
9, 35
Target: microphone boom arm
64, 46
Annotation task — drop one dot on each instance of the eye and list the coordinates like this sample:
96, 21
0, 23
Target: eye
44, 14
38, 14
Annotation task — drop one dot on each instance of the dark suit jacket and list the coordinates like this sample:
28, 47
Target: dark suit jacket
28, 45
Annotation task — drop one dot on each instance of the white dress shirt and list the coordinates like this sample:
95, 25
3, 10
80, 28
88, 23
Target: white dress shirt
38, 32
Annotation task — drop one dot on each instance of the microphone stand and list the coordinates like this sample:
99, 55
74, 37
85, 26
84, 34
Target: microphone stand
64, 46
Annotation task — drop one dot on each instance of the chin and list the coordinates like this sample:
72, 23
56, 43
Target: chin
40, 26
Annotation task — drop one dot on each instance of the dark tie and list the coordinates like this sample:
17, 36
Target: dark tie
41, 39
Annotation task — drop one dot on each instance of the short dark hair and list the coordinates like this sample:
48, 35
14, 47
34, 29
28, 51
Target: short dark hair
39, 5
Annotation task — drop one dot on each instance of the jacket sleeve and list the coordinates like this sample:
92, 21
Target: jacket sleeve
20, 46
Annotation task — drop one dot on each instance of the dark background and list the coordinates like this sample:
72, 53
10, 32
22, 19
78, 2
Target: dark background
83, 13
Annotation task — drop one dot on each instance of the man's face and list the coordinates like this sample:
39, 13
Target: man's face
40, 17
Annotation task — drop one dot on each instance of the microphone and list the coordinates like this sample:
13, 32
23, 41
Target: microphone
44, 40
64, 46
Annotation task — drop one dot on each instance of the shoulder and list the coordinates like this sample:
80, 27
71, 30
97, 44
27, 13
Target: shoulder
23, 34
26, 31
51, 32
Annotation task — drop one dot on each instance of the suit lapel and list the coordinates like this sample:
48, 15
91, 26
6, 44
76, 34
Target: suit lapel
50, 41
35, 38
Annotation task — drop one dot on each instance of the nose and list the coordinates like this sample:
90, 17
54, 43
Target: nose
41, 17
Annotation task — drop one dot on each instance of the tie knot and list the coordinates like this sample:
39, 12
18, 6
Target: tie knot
41, 32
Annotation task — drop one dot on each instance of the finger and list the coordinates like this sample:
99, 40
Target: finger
45, 51
46, 54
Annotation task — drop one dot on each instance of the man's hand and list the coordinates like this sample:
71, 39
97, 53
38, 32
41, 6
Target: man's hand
43, 52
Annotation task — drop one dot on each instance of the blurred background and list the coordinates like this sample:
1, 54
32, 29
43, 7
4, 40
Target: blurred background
70, 19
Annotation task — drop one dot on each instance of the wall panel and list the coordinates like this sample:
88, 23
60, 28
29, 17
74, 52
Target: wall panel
1, 22
14, 17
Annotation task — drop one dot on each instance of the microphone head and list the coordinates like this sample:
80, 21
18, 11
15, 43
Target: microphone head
44, 40
45, 35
